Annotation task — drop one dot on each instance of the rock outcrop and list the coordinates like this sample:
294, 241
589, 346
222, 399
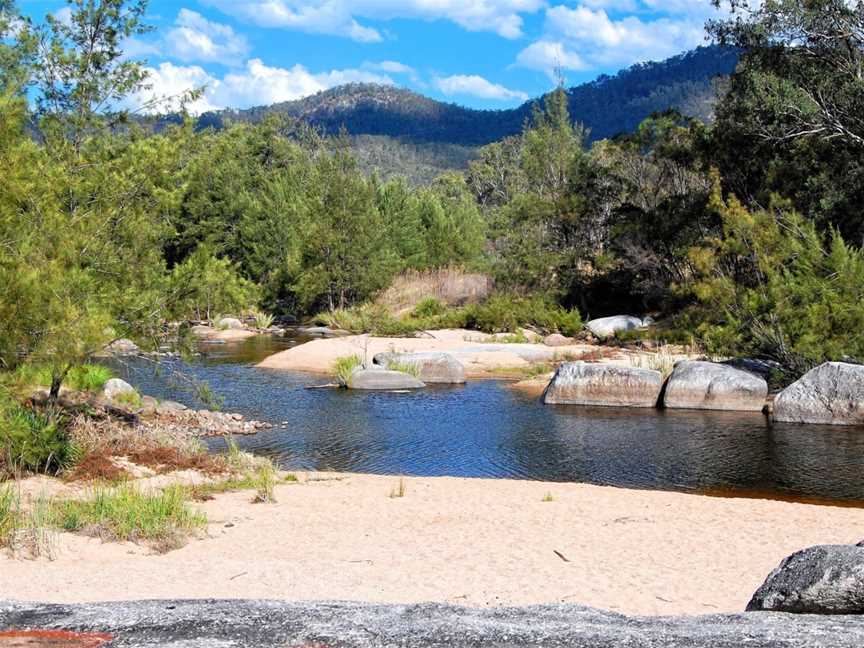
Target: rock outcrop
122, 347
580, 383
607, 327
558, 340
434, 367
379, 379
712, 386
827, 579
230, 323
247, 624
830, 394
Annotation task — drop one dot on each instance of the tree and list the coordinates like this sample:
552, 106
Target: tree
80, 73
772, 286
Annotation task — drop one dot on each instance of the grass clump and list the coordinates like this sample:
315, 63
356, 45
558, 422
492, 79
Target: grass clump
163, 519
33, 440
410, 368
399, 491
548, 497
263, 320
344, 367
129, 399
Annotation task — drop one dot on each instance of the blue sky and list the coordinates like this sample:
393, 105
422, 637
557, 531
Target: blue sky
480, 53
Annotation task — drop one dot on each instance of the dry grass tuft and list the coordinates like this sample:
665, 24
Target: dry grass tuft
450, 286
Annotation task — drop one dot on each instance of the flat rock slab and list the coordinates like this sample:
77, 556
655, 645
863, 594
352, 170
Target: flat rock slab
830, 394
259, 624
712, 386
827, 579
581, 383
434, 367
383, 380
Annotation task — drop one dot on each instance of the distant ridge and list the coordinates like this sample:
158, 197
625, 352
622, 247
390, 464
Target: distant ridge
607, 106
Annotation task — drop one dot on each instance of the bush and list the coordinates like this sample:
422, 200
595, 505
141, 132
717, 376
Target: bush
126, 513
88, 377
429, 307
33, 441
344, 367
508, 314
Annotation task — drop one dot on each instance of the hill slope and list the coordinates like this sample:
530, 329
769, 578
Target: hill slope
607, 106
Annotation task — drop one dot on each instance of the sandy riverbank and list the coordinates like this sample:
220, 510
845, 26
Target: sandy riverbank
481, 355
469, 542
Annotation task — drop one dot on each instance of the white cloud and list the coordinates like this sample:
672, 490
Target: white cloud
477, 86
194, 38
394, 67
587, 36
340, 17
258, 84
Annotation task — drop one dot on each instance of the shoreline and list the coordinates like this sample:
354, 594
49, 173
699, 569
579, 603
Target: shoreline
483, 543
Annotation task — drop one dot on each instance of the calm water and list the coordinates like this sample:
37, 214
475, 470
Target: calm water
485, 429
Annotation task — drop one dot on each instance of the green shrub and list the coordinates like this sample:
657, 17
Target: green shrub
344, 367
263, 320
34, 441
126, 513
429, 307
410, 368
88, 377
130, 399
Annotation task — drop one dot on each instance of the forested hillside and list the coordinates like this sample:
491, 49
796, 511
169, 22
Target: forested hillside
606, 107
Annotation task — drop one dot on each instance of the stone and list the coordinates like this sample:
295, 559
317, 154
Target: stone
322, 331
607, 327
435, 367
711, 386
230, 323
827, 579
830, 394
558, 340
167, 408
581, 383
122, 347
756, 366
251, 623
383, 380
115, 387
202, 331
149, 406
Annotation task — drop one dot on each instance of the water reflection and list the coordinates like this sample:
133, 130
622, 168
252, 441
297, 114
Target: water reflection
487, 430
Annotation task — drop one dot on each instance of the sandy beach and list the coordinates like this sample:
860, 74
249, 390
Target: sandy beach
468, 542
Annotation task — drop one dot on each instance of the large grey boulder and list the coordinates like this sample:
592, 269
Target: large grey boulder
827, 579
256, 624
378, 379
607, 327
581, 383
434, 367
230, 323
831, 394
115, 387
711, 386
122, 347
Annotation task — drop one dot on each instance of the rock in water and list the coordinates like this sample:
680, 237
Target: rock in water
711, 386
115, 387
230, 323
830, 394
383, 380
580, 383
122, 347
607, 327
434, 367
820, 580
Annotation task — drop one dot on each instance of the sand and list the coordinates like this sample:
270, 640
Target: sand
481, 355
468, 542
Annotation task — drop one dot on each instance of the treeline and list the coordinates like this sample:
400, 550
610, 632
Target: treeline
742, 234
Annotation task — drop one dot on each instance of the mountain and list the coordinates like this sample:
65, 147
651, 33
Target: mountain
607, 106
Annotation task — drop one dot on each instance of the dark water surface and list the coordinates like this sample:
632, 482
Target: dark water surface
486, 429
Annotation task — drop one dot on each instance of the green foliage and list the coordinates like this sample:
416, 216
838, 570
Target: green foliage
129, 399
773, 286
263, 320
33, 441
88, 377
204, 285
344, 367
410, 368
126, 513
429, 307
